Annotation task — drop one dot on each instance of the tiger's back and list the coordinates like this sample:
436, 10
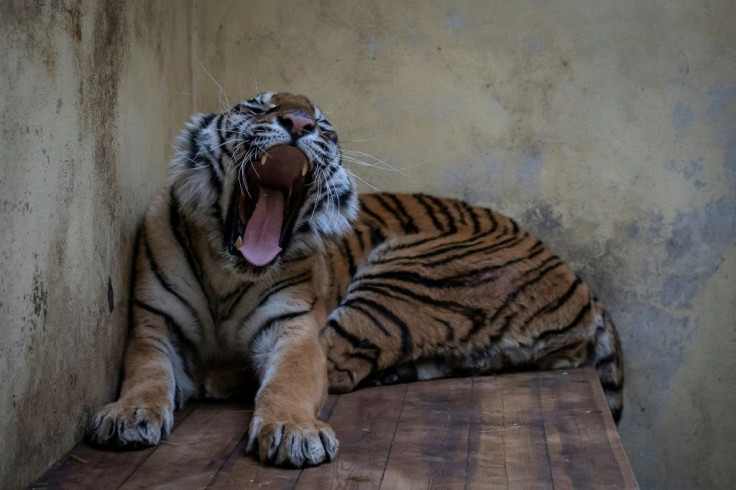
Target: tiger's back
428, 287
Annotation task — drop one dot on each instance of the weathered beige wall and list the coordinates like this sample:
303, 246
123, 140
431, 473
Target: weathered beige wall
91, 94
607, 128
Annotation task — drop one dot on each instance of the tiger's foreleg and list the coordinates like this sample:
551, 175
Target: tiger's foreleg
144, 413
292, 370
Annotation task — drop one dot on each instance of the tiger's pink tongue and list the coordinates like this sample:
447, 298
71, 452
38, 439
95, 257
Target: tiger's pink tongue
261, 237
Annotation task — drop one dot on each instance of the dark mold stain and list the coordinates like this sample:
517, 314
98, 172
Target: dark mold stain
98, 113
110, 296
31, 26
39, 296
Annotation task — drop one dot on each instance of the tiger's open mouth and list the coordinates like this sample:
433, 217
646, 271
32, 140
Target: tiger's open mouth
268, 203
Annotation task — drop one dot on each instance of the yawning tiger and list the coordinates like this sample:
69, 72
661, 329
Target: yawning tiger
257, 259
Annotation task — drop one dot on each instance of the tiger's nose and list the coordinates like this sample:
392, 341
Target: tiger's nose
296, 124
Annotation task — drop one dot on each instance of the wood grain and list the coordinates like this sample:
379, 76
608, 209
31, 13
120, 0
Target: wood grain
431, 442
524, 430
90, 467
576, 423
580, 450
242, 470
507, 440
195, 451
365, 423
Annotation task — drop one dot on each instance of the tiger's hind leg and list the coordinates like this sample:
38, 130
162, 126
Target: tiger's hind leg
601, 349
477, 306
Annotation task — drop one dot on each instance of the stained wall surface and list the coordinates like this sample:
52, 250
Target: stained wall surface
91, 94
606, 128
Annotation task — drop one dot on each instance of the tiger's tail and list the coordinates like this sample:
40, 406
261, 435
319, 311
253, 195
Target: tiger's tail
608, 362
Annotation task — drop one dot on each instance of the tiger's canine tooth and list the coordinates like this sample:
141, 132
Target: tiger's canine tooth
264, 158
239, 242
304, 170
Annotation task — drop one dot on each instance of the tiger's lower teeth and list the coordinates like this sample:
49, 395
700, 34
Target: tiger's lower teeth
239, 242
264, 158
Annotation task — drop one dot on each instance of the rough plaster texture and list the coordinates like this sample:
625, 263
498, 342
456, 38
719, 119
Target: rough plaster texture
91, 95
606, 128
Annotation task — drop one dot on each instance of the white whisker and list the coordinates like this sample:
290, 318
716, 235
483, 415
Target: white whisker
362, 181
222, 91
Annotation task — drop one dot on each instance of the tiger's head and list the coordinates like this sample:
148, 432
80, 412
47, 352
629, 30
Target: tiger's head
264, 180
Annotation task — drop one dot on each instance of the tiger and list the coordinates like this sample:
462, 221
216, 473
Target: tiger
258, 265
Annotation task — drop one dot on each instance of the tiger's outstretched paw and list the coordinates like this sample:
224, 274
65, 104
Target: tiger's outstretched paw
291, 443
131, 423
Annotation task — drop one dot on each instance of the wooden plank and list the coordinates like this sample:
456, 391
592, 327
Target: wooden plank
507, 440
525, 430
431, 442
89, 467
580, 446
196, 450
365, 422
611, 430
242, 470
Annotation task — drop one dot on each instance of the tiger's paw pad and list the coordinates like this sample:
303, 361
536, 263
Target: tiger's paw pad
296, 444
127, 424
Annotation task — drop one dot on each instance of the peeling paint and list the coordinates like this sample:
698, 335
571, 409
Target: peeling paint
532, 47
721, 98
373, 47
689, 170
682, 116
453, 22
542, 218
729, 159
531, 165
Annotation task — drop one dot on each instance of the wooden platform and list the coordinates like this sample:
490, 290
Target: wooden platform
526, 430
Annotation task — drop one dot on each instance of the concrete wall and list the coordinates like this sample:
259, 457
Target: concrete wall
91, 95
606, 128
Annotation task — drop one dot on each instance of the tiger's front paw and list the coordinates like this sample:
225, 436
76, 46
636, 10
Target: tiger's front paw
290, 442
131, 423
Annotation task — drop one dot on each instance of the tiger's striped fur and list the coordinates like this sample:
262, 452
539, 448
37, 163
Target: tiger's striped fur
411, 287
428, 287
